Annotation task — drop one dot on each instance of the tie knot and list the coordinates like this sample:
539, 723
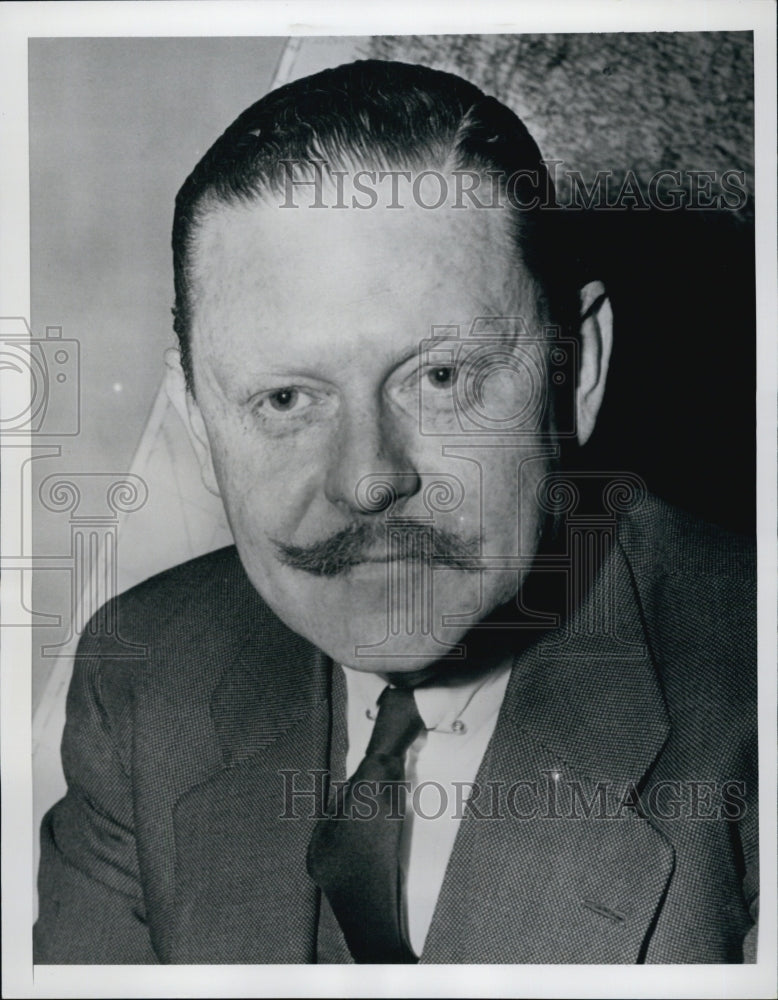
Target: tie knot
397, 725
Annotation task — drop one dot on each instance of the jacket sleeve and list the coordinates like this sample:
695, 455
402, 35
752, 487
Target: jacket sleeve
91, 899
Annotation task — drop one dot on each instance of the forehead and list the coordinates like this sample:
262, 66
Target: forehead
272, 280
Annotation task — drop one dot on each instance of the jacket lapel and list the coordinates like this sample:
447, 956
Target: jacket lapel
554, 863
242, 891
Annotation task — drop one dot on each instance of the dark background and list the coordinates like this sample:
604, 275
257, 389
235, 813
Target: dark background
680, 407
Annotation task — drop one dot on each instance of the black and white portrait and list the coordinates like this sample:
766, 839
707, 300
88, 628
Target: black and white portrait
391, 455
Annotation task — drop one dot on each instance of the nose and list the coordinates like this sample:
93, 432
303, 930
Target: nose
370, 469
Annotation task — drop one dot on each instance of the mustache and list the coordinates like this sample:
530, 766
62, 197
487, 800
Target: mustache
350, 547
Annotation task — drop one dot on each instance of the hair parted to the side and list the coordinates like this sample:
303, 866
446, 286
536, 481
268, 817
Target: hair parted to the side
374, 115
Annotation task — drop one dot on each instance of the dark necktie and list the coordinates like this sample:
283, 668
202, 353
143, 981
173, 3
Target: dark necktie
354, 851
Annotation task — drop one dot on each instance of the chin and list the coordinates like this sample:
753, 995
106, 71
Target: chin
356, 629
365, 638
348, 616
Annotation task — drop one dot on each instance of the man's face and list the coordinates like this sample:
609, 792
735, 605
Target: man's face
325, 384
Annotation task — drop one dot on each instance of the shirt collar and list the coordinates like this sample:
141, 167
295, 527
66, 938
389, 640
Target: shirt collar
447, 706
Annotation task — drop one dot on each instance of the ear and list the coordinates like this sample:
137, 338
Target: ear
189, 412
596, 335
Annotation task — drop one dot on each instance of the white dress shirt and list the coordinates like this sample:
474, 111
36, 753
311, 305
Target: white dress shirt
440, 766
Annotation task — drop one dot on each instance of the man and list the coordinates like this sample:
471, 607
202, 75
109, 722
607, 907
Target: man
388, 360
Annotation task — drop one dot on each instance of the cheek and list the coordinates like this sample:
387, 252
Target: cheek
266, 486
512, 514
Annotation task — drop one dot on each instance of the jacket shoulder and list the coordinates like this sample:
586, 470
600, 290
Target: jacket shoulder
200, 592
178, 627
662, 539
188, 587
696, 584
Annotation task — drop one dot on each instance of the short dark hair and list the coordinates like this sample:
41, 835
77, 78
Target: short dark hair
375, 115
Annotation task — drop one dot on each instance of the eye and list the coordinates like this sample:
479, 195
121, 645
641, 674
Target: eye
288, 401
284, 399
442, 377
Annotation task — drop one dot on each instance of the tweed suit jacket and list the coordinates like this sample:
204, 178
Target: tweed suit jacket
631, 834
